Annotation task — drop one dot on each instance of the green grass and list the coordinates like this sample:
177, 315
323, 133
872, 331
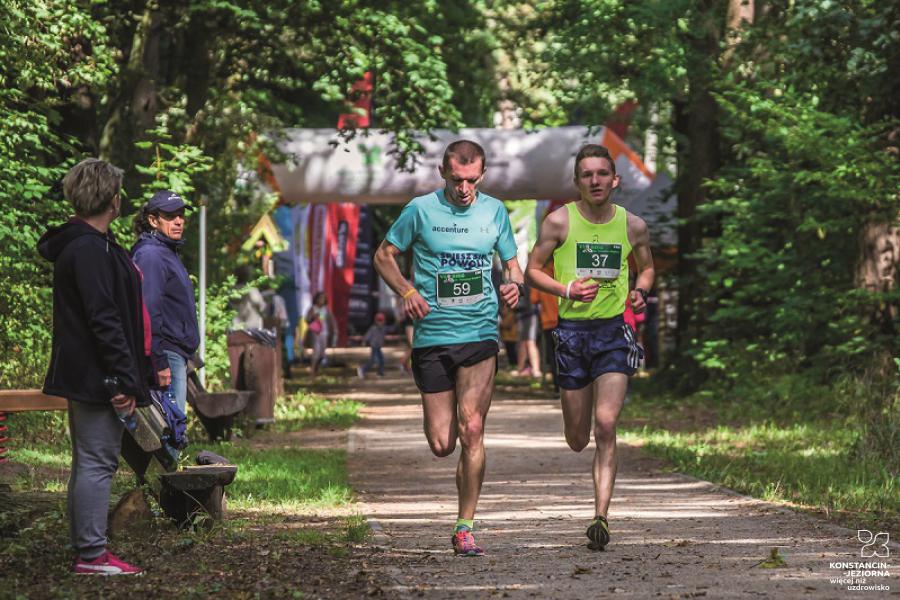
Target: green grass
304, 409
286, 478
775, 454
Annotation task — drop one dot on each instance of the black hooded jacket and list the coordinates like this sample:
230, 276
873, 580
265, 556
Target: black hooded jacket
98, 316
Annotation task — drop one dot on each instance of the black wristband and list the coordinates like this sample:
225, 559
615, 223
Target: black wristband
644, 293
521, 287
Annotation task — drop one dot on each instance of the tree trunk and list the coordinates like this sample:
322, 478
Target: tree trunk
197, 65
877, 265
134, 108
699, 151
698, 159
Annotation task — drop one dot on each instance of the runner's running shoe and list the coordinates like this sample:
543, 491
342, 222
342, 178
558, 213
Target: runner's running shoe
464, 543
105, 564
598, 533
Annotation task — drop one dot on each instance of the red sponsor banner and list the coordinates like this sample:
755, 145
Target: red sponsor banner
361, 97
319, 251
343, 223
343, 219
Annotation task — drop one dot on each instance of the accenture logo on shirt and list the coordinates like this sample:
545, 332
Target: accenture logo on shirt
453, 229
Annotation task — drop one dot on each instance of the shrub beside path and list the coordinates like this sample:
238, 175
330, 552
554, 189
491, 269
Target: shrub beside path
672, 536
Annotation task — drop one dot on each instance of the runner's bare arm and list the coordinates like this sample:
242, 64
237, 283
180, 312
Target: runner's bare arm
639, 237
553, 233
386, 265
512, 274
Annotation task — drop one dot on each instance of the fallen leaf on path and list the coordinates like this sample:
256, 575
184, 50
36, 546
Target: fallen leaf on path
775, 560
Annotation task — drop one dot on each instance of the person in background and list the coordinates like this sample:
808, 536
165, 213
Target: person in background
549, 315
168, 292
321, 328
509, 335
528, 323
405, 327
252, 306
100, 353
374, 338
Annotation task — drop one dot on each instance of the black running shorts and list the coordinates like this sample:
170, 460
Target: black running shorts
434, 367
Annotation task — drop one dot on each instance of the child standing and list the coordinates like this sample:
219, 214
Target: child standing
374, 338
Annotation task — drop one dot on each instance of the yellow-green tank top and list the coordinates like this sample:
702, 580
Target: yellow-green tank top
599, 251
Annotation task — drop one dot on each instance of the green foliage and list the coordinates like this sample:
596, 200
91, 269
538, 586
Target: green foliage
304, 409
174, 167
220, 302
185, 96
781, 274
35, 62
786, 441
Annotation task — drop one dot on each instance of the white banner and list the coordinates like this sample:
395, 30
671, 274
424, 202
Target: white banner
520, 165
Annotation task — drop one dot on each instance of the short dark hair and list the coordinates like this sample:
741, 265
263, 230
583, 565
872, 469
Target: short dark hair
91, 186
594, 151
464, 152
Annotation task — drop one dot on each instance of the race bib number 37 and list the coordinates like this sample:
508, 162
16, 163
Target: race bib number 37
460, 287
603, 261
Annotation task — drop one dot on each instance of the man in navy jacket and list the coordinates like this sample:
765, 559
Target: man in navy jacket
168, 292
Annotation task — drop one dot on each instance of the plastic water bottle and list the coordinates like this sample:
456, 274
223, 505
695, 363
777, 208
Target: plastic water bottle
112, 386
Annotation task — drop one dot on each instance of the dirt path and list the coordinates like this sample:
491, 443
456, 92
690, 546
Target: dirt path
673, 536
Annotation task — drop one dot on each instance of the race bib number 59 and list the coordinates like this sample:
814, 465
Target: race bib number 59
460, 287
603, 261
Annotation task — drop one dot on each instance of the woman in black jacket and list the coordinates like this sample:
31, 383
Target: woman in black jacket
99, 343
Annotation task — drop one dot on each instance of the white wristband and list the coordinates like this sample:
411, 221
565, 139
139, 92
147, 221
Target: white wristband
568, 289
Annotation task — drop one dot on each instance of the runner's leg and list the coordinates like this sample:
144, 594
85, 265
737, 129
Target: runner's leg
578, 409
609, 390
439, 409
474, 387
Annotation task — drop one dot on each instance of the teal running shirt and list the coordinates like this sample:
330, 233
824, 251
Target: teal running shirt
453, 249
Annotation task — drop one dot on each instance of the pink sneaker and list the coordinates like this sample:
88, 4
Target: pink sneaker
105, 564
464, 544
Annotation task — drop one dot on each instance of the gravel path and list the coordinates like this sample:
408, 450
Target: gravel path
672, 536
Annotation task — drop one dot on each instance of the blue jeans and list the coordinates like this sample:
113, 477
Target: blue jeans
375, 358
178, 366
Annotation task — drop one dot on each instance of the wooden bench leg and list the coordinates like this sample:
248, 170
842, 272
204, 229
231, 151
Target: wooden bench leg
4, 437
182, 506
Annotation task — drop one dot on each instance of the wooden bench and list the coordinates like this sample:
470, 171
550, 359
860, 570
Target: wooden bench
15, 401
182, 493
12, 401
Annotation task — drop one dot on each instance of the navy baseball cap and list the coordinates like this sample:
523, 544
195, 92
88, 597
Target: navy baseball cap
166, 201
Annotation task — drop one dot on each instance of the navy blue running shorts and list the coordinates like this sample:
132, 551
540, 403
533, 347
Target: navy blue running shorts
434, 367
587, 349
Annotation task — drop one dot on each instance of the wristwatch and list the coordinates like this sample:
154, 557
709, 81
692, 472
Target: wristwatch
644, 293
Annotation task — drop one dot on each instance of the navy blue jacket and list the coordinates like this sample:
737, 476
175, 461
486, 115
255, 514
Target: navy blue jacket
169, 297
98, 320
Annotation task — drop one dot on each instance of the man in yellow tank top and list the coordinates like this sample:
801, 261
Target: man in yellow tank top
590, 241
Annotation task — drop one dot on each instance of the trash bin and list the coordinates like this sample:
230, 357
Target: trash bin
256, 366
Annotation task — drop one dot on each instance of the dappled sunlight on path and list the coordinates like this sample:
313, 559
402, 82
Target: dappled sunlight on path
672, 535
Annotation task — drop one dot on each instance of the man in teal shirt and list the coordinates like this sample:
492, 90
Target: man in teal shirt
453, 233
